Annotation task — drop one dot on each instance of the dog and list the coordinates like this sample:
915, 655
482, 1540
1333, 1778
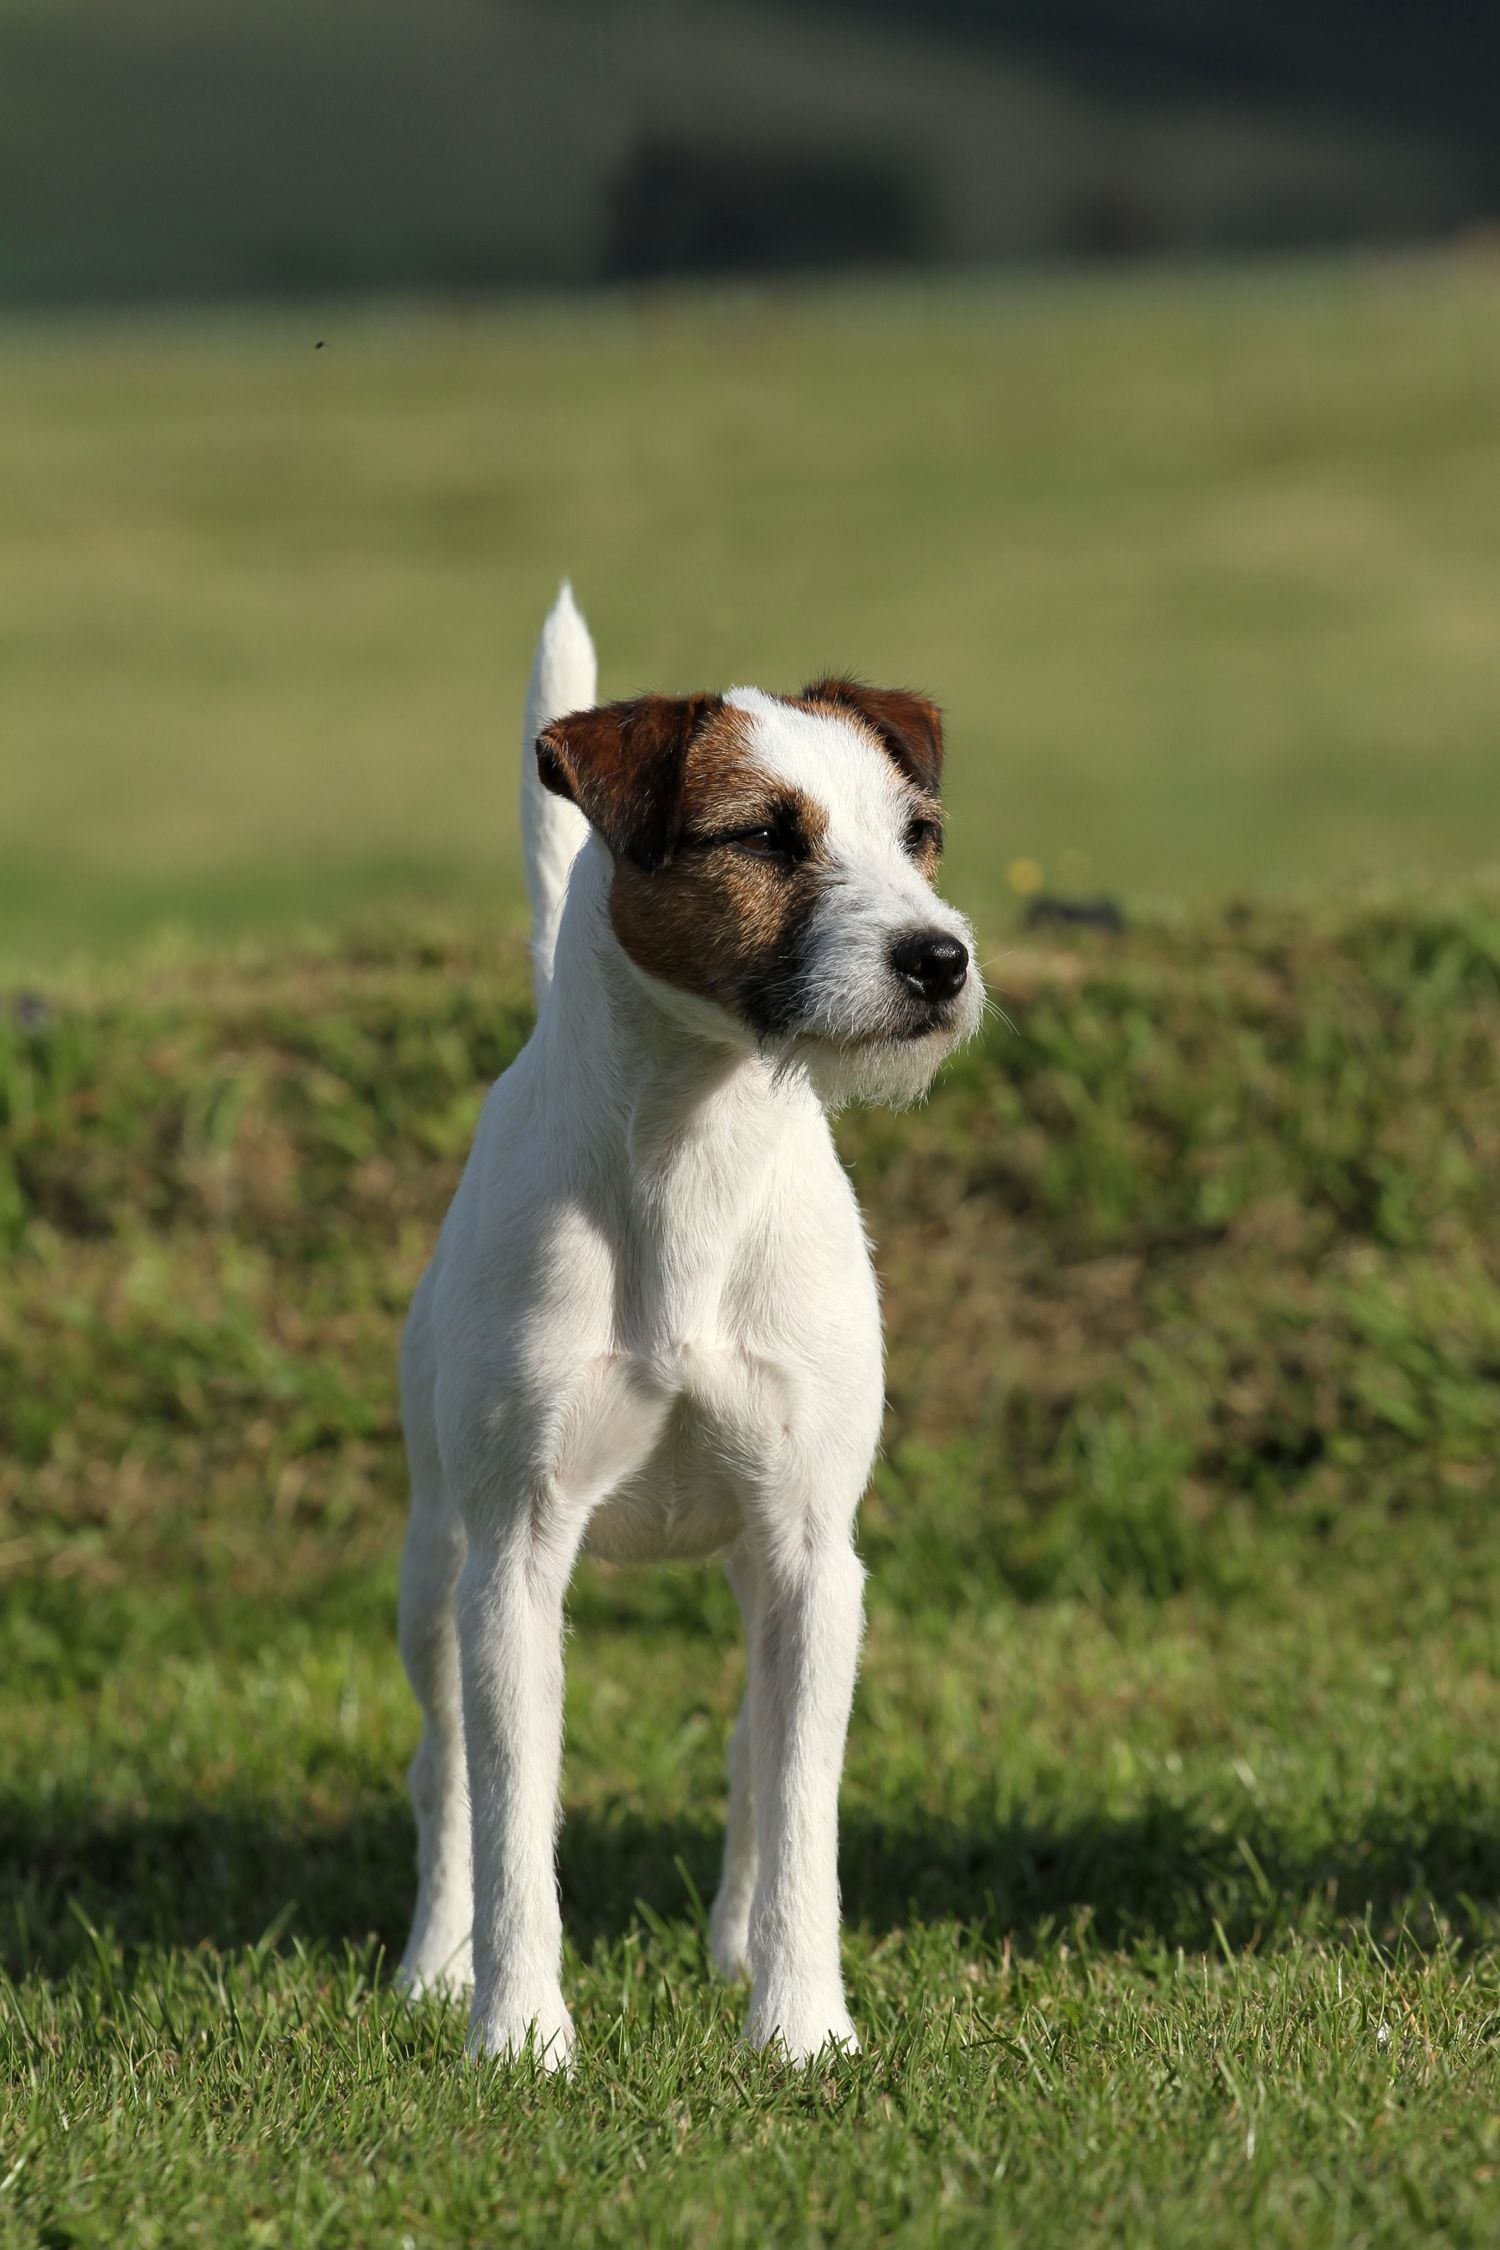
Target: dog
650, 1327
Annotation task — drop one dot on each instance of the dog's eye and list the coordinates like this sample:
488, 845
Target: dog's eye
780, 840
923, 835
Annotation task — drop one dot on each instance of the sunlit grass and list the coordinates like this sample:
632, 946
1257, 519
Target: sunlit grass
1170, 1859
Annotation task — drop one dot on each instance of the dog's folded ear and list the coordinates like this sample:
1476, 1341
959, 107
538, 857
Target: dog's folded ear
622, 766
910, 727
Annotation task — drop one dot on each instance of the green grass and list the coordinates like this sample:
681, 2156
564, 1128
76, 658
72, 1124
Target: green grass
1203, 568
1171, 1846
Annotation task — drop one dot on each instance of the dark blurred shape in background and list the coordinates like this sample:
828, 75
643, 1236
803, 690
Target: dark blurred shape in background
680, 207
191, 147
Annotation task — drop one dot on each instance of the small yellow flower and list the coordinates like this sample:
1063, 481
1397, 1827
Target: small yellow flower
1025, 877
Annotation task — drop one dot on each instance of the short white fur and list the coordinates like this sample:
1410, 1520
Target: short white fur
650, 1329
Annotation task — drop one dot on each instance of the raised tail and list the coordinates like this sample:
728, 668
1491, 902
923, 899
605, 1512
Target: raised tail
564, 677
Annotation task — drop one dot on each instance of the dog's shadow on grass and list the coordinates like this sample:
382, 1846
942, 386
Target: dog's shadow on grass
1165, 1875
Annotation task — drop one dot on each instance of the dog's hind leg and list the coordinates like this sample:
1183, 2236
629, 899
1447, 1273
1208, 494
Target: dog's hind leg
729, 1921
438, 1956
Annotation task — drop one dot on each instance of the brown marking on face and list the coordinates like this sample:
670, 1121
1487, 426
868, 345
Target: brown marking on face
907, 726
724, 916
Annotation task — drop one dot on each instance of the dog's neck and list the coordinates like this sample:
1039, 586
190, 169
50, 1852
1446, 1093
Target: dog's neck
663, 1075
685, 1126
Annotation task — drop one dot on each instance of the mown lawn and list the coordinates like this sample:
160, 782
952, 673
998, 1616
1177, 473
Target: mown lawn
1203, 567
1172, 1819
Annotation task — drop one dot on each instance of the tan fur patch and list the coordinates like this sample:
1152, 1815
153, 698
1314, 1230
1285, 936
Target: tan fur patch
721, 920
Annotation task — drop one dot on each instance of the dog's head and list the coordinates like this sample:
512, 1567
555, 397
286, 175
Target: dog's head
773, 867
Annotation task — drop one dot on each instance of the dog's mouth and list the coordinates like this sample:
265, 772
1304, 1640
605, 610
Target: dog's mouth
938, 1030
941, 1024
906, 1023
938, 1022
871, 1042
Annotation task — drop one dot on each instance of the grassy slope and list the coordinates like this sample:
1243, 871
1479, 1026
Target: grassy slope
1170, 1853
1203, 568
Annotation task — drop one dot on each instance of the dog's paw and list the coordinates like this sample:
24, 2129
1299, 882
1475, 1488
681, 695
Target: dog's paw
512, 2028
729, 1938
803, 2032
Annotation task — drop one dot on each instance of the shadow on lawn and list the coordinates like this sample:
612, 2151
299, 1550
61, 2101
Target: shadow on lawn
1163, 1876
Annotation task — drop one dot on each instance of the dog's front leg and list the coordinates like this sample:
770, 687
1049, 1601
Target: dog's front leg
804, 1652
510, 1624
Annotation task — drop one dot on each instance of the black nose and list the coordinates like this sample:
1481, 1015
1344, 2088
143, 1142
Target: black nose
931, 962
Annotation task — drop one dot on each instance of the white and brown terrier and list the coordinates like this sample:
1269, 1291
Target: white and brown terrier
650, 1327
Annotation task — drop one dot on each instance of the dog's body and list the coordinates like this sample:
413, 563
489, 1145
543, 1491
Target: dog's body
650, 1327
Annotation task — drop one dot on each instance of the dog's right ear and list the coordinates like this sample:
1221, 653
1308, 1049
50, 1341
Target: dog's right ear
622, 765
909, 727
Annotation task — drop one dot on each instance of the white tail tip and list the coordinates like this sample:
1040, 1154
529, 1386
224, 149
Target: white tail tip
564, 677
565, 674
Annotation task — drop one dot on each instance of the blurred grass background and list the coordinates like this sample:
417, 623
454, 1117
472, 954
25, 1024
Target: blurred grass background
1203, 568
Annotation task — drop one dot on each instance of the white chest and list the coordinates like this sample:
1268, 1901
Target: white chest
654, 1336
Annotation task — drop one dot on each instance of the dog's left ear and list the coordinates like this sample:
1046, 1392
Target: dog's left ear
622, 764
910, 727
